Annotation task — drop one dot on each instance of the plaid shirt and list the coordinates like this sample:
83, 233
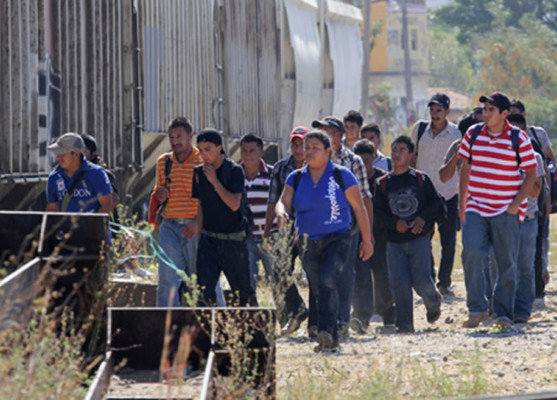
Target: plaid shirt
281, 170
355, 164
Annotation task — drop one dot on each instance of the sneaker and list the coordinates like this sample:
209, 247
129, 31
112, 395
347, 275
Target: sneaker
474, 320
343, 332
291, 327
446, 291
312, 331
326, 343
504, 323
539, 304
386, 329
294, 323
433, 314
520, 320
404, 330
357, 326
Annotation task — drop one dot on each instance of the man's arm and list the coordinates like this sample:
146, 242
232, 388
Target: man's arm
52, 207
527, 186
368, 205
232, 200
106, 203
269, 218
284, 205
355, 200
463, 189
549, 153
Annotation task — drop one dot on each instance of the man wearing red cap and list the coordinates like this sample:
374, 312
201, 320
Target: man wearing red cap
295, 309
492, 204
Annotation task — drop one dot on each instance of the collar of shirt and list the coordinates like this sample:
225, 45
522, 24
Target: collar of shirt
84, 166
445, 130
330, 167
263, 169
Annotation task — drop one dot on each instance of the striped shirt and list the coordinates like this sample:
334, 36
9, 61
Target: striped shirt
495, 177
180, 203
258, 193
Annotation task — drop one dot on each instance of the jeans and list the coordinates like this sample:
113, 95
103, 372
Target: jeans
409, 266
183, 254
346, 286
542, 249
231, 257
374, 293
479, 234
447, 234
525, 283
323, 260
256, 253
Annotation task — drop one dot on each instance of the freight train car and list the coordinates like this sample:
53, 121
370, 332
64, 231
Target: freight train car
120, 70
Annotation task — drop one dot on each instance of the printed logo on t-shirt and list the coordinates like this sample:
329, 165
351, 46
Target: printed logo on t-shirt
60, 185
332, 187
404, 202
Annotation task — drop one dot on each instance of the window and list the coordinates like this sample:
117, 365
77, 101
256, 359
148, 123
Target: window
392, 38
414, 39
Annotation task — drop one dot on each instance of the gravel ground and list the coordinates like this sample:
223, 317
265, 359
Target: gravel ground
521, 359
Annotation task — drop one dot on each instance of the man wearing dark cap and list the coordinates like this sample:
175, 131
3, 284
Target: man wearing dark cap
474, 117
433, 138
334, 127
493, 202
224, 221
295, 311
76, 185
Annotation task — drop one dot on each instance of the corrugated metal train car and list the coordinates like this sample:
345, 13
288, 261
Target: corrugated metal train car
120, 70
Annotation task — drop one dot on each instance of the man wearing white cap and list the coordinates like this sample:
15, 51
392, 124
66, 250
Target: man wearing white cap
76, 185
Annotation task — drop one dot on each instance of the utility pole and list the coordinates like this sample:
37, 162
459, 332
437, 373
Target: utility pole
365, 66
407, 66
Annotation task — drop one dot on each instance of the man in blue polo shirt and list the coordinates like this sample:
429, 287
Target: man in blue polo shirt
76, 185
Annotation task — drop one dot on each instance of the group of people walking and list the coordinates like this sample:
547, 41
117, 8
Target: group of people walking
364, 221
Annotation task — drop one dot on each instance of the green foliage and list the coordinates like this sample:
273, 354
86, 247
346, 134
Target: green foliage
451, 64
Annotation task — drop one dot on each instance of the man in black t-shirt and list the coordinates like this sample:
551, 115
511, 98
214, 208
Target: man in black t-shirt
222, 220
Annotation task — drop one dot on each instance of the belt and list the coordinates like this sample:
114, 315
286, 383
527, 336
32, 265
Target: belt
237, 236
181, 221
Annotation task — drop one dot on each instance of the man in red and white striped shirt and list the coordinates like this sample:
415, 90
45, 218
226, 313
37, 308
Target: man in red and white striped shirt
492, 205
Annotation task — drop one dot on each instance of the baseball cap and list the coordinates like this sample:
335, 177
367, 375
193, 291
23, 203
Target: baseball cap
67, 143
298, 132
329, 121
441, 100
499, 99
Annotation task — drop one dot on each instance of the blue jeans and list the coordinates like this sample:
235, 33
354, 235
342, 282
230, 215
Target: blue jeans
346, 286
479, 234
525, 283
323, 260
409, 266
542, 249
183, 253
256, 253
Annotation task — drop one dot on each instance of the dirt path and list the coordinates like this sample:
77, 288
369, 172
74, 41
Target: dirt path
440, 360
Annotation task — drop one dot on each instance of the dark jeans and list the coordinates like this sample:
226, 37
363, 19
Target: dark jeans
323, 261
346, 287
229, 256
374, 291
542, 248
409, 267
293, 302
447, 234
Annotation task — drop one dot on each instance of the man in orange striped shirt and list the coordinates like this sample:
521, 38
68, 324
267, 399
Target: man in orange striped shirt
180, 211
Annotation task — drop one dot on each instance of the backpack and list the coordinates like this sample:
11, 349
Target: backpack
337, 174
421, 130
536, 145
245, 211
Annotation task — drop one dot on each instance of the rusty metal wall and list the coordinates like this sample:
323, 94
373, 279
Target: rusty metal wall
250, 34
66, 65
179, 62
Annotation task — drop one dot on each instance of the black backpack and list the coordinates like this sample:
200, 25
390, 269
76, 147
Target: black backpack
514, 140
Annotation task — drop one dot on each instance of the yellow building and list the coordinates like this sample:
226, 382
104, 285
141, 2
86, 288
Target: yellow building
387, 55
